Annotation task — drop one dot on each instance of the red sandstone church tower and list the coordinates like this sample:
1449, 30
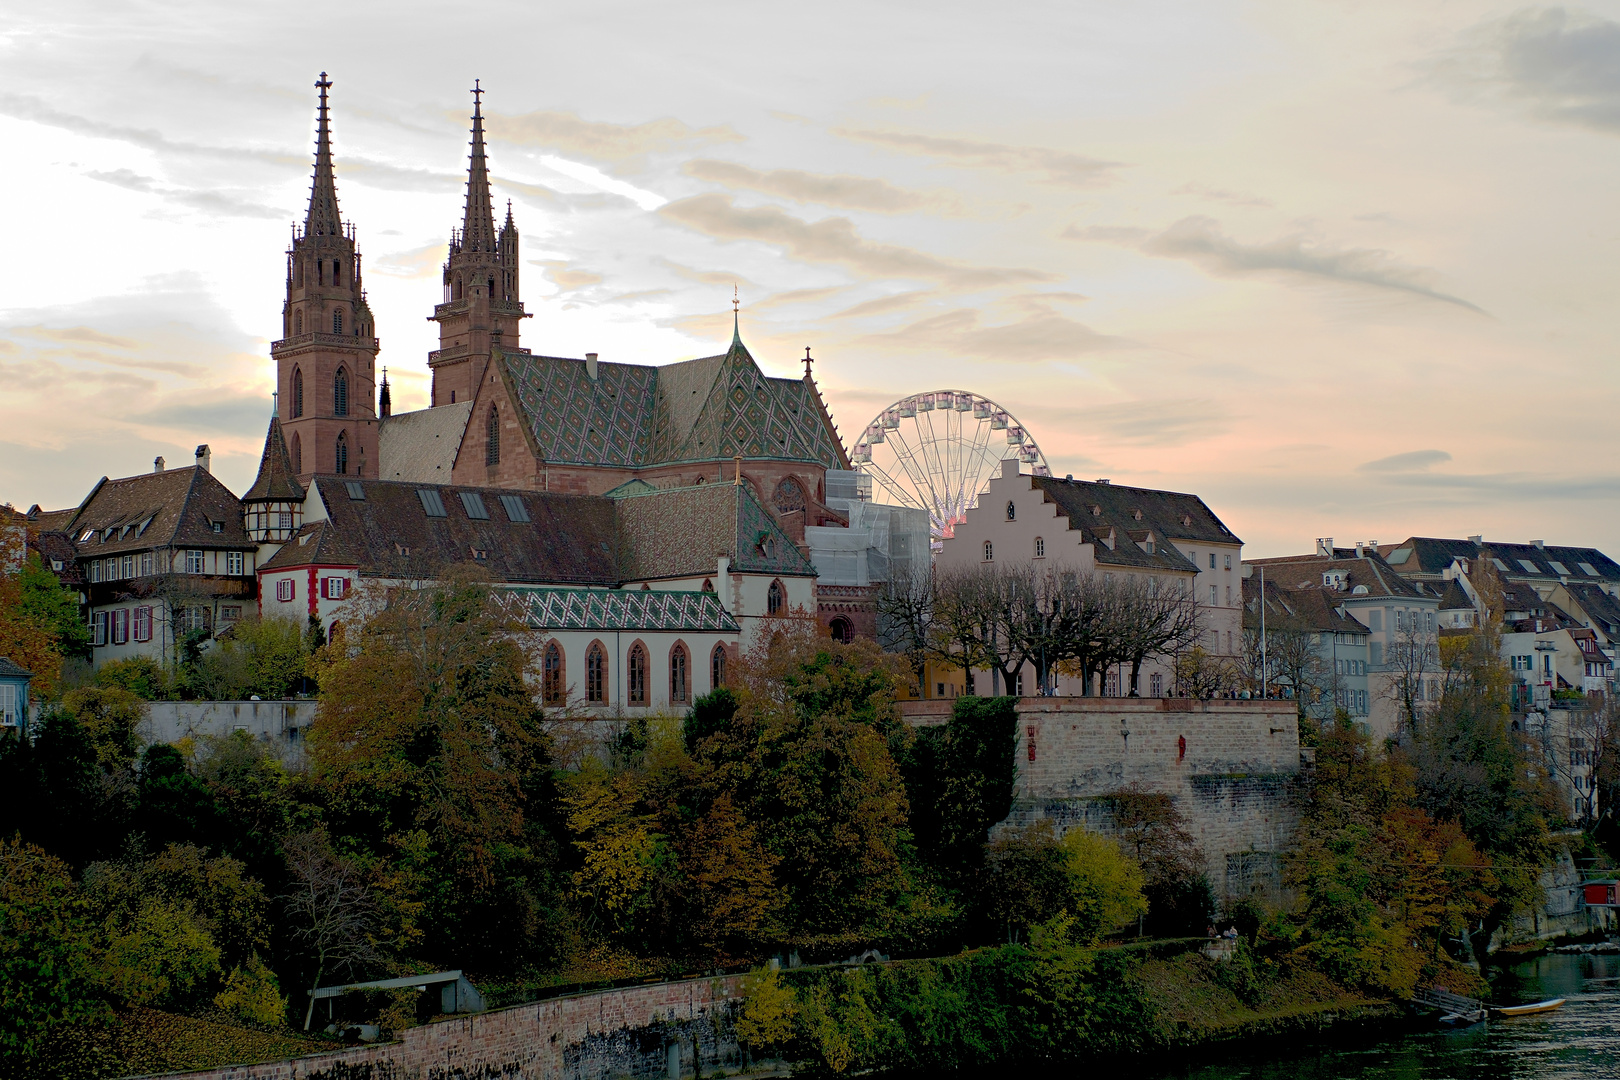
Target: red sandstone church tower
326, 359
481, 306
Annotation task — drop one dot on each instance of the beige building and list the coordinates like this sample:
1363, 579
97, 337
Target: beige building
1109, 529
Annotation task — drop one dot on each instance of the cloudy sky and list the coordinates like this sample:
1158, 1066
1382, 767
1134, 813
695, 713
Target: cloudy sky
1343, 269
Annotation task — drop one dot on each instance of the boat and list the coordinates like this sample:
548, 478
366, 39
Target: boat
1527, 1010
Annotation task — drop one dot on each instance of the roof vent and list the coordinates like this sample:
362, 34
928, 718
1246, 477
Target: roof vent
1101, 480
158, 464
1538, 543
1476, 539
590, 365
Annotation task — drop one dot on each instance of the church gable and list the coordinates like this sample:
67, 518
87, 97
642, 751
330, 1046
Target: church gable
754, 416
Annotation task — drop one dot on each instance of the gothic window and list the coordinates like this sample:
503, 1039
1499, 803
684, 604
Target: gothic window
492, 438
717, 667
708, 586
775, 599
297, 453
343, 452
340, 394
789, 496
636, 675
298, 322
337, 279
298, 392
596, 674
337, 322
492, 288
1012, 511
551, 675
989, 551
1040, 547
842, 630
680, 686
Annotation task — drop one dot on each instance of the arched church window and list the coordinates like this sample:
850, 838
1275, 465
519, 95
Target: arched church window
679, 685
551, 675
342, 452
775, 599
298, 322
492, 288
717, 667
337, 322
789, 496
636, 675
492, 438
337, 273
340, 393
298, 392
842, 630
596, 674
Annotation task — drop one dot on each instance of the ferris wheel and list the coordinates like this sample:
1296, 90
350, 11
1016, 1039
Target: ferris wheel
937, 451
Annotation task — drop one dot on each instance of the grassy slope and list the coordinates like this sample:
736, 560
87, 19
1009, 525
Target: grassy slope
1196, 1007
141, 1041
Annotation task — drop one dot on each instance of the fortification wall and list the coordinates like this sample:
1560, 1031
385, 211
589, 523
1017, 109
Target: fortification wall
281, 723
1230, 766
665, 1030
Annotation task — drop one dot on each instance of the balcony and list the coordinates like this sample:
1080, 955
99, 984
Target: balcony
310, 341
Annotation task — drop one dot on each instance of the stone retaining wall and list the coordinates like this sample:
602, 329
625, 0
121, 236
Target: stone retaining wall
662, 1030
282, 724
1230, 766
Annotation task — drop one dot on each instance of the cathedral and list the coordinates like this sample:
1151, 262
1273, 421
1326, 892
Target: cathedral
502, 416
646, 522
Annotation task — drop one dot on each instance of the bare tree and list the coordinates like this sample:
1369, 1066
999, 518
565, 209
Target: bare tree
1410, 658
905, 620
1154, 617
964, 619
331, 913
1201, 674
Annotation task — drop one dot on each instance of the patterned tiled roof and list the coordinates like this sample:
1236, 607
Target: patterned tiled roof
634, 415
616, 609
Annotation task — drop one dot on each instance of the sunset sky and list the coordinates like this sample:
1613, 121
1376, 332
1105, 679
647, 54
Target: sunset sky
1342, 269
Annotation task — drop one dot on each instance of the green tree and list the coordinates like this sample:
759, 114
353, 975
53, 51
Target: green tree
45, 957
140, 675
263, 657
959, 781
47, 603
1103, 886
111, 719
430, 722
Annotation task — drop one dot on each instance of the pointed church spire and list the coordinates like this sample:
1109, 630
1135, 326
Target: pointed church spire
385, 403
478, 227
736, 306
323, 218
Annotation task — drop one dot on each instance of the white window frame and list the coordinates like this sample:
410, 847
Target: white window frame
195, 559
98, 628
233, 563
285, 590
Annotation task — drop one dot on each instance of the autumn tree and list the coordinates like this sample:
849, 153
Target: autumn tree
1153, 831
46, 955
430, 722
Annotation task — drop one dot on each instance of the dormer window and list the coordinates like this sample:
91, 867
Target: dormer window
1136, 515
1334, 579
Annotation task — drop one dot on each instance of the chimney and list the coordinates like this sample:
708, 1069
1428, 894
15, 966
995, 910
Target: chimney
1476, 539
1538, 544
1324, 547
590, 365
157, 463
1359, 555
203, 457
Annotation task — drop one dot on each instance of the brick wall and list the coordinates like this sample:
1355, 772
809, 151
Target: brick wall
1230, 766
615, 1033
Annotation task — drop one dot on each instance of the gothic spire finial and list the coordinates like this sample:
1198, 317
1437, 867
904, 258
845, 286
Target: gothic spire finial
323, 218
807, 361
478, 224
736, 332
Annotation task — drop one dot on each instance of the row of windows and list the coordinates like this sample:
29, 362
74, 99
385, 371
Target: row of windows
637, 689
332, 588
123, 625
124, 567
320, 273
340, 393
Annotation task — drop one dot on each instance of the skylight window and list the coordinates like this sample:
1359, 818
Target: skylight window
1529, 567
433, 506
1587, 569
1558, 566
473, 503
516, 512
84, 537
1500, 565
356, 490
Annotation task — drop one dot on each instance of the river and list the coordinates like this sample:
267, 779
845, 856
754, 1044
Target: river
1578, 1041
